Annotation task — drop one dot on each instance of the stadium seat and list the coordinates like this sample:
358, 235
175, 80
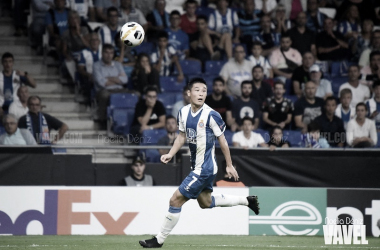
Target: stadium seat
191, 67
288, 87
170, 84
123, 100
336, 82
293, 98
146, 47
121, 120
152, 136
293, 137
152, 155
168, 99
204, 11
214, 67
264, 134
340, 68
378, 140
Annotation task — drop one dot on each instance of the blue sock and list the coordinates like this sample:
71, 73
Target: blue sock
212, 202
174, 210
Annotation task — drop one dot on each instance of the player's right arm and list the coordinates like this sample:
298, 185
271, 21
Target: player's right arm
177, 145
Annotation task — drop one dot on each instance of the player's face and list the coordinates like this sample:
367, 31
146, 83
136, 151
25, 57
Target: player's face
198, 94
23, 94
310, 90
171, 125
8, 64
138, 169
107, 56
10, 125
361, 112
353, 73
330, 107
279, 91
246, 90
247, 126
218, 88
346, 100
258, 74
256, 50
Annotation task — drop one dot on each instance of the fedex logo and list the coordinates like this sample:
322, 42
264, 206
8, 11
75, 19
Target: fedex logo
58, 216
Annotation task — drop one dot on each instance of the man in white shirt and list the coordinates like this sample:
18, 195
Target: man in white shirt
130, 14
361, 131
235, 71
247, 138
14, 135
324, 89
20, 107
360, 92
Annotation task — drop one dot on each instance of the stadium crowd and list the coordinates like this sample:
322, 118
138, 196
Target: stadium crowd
275, 69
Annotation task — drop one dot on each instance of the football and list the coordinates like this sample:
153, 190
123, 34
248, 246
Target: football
132, 34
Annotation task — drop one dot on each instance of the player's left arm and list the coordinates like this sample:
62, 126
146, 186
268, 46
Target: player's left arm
230, 170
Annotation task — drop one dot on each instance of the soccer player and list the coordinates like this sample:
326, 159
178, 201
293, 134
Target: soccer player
200, 125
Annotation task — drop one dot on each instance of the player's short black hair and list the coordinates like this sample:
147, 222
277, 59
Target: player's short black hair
151, 88
196, 80
162, 34
375, 84
7, 55
313, 126
170, 117
245, 82
278, 82
107, 46
185, 89
330, 98
174, 13
111, 9
258, 67
203, 17
361, 104
217, 79
247, 118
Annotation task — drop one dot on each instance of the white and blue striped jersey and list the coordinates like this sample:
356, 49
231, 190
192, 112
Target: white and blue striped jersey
223, 24
201, 130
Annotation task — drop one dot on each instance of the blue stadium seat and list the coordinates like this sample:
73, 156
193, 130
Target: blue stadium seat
228, 134
293, 98
340, 68
152, 155
191, 67
123, 100
170, 84
214, 67
264, 134
294, 137
146, 47
151, 137
336, 82
168, 99
378, 140
121, 120
204, 11
2, 130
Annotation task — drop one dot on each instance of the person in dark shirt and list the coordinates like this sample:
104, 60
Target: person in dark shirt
144, 74
331, 44
277, 110
218, 100
245, 106
303, 39
276, 139
308, 107
158, 20
301, 74
40, 124
332, 127
315, 18
149, 113
260, 90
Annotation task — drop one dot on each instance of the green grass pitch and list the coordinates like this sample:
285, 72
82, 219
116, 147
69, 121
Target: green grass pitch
177, 242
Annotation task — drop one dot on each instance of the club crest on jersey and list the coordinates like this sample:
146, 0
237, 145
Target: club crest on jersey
201, 124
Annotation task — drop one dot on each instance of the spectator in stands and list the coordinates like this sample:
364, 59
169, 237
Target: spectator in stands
169, 138
331, 44
149, 113
260, 90
108, 31
20, 107
109, 78
285, 59
361, 131
344, 110
224, 23
293, 7
276, 139
10, 81
245, 106
315, 18
279, 20
375, 46
40, 124
218, 100
144, 75
360, 92
38, 27
308, 107
257, 59
365, 9
313, 138
85, 9
266, 6
189, 19
247, 138
269, 38
235, 71
373, 105
249, 22
331, 126
158, 20
74, 40
124, 55
165, 56
303, 39
146, 6
301, 75
363, 40
102, 7
178, 105
277, 110
349, 26
371, 72
128, 13
227, 181
138, 178
57, 23
178, 39
324, 89
15, 135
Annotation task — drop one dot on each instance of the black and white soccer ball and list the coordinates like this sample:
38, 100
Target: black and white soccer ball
132, 34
